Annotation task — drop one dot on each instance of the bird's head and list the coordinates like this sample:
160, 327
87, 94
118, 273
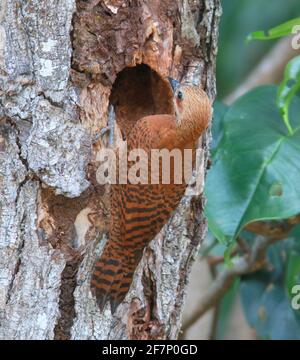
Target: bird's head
192, 108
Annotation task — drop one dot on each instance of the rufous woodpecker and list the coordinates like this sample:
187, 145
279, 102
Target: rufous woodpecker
139, 211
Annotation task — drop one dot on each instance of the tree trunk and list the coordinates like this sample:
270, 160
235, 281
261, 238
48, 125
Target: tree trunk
61, 62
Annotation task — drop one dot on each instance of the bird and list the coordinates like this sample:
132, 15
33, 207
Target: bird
139, 211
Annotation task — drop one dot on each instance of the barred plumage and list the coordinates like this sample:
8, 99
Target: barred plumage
139, 211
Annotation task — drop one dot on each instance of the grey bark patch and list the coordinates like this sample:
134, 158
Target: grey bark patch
58, 149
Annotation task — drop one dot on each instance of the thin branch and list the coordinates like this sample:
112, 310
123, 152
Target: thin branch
244, 265
268, 71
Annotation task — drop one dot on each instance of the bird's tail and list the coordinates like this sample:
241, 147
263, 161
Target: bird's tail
112, 276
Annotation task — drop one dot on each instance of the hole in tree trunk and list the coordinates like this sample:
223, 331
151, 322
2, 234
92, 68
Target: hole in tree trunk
139, 91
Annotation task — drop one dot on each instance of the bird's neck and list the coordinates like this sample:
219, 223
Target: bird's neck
187, 131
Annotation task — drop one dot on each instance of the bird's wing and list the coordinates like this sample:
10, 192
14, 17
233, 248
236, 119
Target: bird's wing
138, 213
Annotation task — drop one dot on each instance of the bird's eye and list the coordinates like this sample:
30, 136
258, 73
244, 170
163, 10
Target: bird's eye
180, 95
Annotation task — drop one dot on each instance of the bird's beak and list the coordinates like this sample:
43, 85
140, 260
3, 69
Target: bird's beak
174, 84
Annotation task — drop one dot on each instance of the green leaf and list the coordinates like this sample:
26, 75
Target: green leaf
293, 271
266, 304
227, 255
288, 89
256, 170
292, 275
268, 309
279, 31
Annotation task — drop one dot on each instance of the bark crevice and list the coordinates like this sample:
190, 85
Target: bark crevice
62, 330
18, 261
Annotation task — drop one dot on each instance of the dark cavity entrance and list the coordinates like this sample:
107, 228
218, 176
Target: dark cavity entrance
139, 91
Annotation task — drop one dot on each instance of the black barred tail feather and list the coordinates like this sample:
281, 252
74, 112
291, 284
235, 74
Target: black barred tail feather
105, 275
144, 218
120, 288
112, 277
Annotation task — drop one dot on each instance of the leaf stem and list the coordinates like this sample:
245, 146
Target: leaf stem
286, 121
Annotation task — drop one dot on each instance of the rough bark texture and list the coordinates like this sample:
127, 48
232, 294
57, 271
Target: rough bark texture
61, 62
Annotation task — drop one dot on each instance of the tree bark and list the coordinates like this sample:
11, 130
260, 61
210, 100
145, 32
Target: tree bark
61, 63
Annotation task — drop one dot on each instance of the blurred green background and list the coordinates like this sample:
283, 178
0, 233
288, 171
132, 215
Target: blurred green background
258, 304
240, 17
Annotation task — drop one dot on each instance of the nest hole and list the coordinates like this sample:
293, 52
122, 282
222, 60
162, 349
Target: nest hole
137, 92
